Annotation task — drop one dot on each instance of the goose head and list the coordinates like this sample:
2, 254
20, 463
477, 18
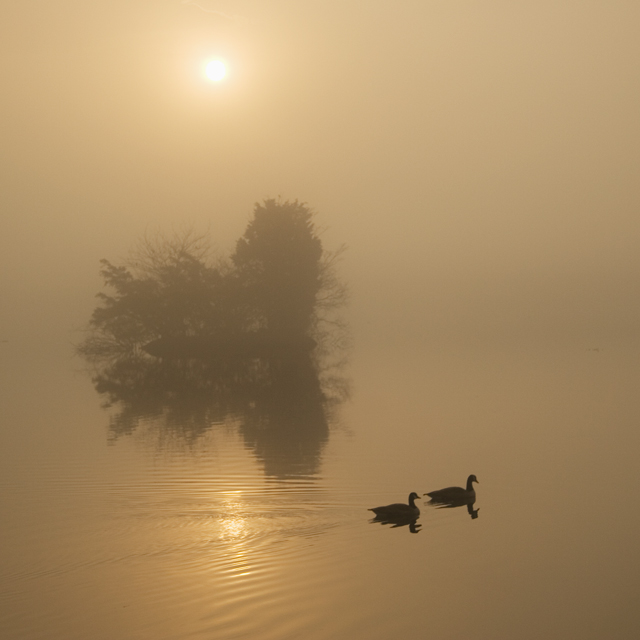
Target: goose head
470, 480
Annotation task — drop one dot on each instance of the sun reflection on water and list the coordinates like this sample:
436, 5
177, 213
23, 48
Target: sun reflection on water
233, 527
234, 530
233, 521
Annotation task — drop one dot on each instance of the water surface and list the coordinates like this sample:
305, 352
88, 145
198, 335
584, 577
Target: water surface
151, 535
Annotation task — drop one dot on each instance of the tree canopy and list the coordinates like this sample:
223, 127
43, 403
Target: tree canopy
278, 262
173, 293
188, 339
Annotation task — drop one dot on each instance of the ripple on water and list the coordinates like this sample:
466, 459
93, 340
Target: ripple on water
249, 554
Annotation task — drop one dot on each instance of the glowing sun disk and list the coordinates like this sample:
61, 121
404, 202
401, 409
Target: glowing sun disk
216, 70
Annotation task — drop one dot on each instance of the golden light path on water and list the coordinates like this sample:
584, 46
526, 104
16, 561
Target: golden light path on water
209, 529
242, 550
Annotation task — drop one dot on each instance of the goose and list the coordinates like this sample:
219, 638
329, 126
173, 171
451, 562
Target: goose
455, 494
399, 510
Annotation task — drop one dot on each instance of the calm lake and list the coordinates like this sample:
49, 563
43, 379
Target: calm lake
170, 531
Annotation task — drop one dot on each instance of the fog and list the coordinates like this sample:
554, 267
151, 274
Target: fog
479, 159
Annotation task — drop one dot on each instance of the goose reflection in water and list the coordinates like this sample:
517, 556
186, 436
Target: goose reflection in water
413, 525
452, 505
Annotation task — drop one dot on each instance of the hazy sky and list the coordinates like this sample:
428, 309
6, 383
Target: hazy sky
479, 157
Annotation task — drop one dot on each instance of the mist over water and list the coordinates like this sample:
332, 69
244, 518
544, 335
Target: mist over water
479, 160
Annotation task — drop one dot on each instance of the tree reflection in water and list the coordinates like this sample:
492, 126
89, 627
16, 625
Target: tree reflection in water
191, 341
281, 401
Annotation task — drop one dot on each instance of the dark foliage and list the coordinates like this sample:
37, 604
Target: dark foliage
274, 285
186, 341
278, 261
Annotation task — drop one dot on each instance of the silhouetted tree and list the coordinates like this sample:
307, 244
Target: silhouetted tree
170, 288
173, 297
231, 338
279, 265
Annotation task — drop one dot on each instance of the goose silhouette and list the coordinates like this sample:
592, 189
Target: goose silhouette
455, 494
399, 510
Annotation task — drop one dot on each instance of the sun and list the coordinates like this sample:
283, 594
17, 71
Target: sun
216, 70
